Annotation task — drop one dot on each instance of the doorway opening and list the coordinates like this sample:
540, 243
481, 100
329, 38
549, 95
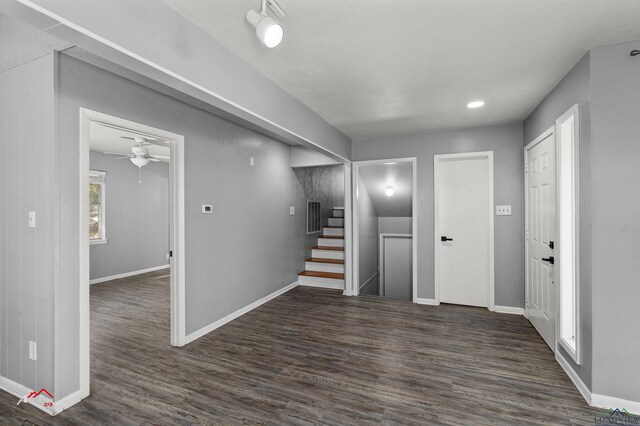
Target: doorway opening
384, 228
131, 217
463, 224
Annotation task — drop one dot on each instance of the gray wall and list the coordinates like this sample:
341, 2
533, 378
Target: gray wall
249, 248
324, 184
137, 217
615, 200
27, 272
394, 225
305, 157
368, 240
506, 144
574, 89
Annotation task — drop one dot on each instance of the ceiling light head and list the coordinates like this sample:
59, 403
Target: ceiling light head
268, 31
475, 104
140, 161
389, 191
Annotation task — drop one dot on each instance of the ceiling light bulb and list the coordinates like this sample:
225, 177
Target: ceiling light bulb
268, 30
475, 104
140, 161
389, 191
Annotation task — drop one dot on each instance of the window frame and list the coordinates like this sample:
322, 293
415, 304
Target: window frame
100, 177
567, 252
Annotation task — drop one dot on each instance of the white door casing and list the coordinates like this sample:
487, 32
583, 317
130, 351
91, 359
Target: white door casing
540, 234
463, 210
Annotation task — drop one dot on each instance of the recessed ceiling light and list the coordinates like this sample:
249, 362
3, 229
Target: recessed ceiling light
475, 104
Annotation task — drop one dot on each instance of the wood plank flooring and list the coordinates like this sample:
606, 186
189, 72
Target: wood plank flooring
313, 356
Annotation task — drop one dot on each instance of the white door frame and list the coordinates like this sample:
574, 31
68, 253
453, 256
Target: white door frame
550, 132
436, 252
348, 240
177, 231
355, 258
381, 258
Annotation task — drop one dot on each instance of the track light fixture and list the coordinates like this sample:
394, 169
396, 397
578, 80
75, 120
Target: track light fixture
268, 30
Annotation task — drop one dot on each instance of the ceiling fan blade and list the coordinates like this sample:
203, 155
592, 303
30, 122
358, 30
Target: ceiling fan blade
122, 158
115, 153
155, 160
147, 141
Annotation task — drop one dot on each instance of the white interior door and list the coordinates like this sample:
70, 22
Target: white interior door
463, 204
541, 232
396, 266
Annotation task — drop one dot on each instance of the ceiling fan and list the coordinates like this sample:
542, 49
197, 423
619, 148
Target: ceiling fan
139, 154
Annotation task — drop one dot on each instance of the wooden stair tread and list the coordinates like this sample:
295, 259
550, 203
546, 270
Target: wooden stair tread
333, 237
321, 260
322, 275
328, 248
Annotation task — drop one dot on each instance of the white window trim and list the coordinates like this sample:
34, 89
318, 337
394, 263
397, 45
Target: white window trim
569, 207
98, 176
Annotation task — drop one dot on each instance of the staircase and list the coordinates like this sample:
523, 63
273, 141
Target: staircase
325, 267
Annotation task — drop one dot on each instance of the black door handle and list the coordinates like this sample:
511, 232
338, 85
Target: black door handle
549, 259
443, 238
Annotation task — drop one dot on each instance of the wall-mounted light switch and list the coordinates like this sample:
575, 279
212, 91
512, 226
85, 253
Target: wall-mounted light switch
33, 351
207, 209
292, 210
503, 210
32, 219
252, 161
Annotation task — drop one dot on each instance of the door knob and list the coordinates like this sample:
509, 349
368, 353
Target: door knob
548, 259
443, 238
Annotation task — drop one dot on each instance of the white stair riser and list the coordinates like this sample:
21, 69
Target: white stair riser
327, 254
330, 242
338, 213
333, 232
321, 282
324, 267
336, 221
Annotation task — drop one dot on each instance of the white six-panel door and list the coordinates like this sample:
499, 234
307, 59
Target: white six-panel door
540, 160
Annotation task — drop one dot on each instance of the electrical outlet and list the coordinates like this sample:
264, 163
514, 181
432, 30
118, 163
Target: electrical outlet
503, 210
33, 351
292, 210
207, 209
252, 161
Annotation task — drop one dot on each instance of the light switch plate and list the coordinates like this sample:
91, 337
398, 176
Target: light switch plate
33, 351
207, 209
252, 161
292, 210
503, 210
32, 219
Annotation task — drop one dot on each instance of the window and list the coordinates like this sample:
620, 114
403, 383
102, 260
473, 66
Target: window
97, 232
567, 250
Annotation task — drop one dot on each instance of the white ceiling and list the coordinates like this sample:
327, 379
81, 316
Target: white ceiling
109, 140
385, 67
376, 178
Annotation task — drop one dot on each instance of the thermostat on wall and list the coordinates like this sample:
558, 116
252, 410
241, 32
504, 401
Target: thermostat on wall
207, 209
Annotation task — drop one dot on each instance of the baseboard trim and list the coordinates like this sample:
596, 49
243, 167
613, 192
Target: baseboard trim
127, 274
209, 328
604, 401
369, 280
508, 310
68, 401
577, 381
324, 285
19, 391
423, 301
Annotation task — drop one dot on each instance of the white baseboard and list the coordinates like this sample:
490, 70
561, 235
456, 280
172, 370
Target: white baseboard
582, 388
369, 280
127, 274
604, 401
508, 310
422, 301
329, 285
209, 328
19, 391
67, 401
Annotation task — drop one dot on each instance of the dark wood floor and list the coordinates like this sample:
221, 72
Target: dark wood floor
312, 356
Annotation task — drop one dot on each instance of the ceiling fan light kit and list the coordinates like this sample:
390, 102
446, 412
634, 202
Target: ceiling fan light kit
268, 30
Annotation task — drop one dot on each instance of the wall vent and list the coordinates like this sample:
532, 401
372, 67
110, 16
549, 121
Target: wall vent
314, 219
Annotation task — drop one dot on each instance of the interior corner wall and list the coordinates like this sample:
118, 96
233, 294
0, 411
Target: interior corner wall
506, 143
395, 225
247, 249
573, 89
326, 185
136, 217
615, 200
368, 238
